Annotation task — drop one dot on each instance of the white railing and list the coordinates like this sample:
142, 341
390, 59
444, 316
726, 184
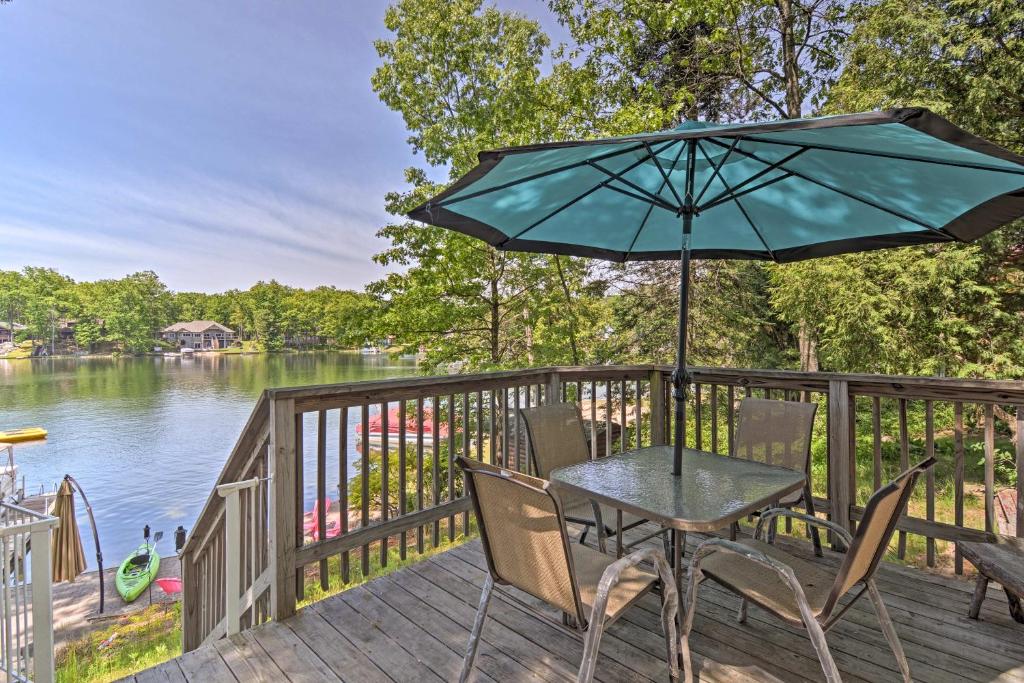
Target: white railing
26, 605
244, 584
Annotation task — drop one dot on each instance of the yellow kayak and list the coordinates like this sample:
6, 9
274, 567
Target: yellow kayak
26, 434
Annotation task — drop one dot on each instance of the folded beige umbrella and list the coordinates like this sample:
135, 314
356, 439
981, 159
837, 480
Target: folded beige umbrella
68, 559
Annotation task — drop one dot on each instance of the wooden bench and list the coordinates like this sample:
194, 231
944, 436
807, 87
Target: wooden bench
1002, 562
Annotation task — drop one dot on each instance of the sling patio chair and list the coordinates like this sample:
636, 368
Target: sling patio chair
806, 593
779, 433
522, 530
556, 439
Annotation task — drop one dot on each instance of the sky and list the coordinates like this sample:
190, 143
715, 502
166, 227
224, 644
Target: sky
216, 143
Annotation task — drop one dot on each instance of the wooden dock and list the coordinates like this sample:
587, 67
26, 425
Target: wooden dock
413, 625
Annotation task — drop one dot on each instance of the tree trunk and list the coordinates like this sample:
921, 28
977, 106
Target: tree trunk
495, 322
790, 68
570, 311
808, 349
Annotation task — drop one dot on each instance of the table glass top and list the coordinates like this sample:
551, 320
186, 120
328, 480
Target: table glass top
711, 490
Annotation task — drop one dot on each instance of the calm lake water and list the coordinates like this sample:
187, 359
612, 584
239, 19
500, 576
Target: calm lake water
147, 437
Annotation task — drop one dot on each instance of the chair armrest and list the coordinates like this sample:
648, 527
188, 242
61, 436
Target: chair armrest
809, 519
724, 545
613, 574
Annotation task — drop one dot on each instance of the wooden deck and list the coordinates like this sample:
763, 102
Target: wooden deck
413, 626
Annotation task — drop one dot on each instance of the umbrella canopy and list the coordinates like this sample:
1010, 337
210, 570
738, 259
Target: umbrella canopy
68, 557
782, 191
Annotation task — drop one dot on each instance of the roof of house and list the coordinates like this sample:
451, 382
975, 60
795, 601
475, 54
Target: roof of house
197, 326
5, 325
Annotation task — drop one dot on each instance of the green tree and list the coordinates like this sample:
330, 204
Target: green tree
952, 309
12, 298
133, 309
465, 78
266, 304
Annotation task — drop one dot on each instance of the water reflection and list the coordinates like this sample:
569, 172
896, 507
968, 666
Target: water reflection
146, 437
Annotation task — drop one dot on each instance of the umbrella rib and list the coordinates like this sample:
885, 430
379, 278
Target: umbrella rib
650, 209
543, 174
742, 210
716, 167
605, 183
890, 155
850, 195
723, 198
717, 199
653, 198
654, 158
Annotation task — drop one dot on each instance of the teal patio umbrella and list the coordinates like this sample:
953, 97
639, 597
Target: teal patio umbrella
781, 191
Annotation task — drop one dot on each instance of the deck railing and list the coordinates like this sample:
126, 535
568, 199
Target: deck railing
26, 605
380, 451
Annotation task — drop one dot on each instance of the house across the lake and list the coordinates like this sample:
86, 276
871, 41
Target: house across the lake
6, 334
199, 334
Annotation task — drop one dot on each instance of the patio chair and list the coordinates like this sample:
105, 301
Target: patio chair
779, 433
557, 440
522, 530
805, 593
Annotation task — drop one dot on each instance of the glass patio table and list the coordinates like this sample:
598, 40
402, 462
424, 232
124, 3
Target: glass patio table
712, 492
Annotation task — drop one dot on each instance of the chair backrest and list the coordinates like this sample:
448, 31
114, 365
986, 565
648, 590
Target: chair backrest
875, 529
523, 534
556, 437
775, 432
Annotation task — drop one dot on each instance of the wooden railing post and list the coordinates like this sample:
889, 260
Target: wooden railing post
657, 409
282, 508
842, 474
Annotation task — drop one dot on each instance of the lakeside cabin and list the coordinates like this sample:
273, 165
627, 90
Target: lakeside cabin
7, 334
199, 334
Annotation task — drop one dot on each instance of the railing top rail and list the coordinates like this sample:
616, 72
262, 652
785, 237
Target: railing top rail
1010, 390
442, 381
37, 521
356, 389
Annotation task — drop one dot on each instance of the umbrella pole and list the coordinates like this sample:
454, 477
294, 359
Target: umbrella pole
95, 533
680, 377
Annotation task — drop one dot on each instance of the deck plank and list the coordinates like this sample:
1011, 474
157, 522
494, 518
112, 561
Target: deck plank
205, 665
371, 640
402, 596
168, 672
413, 625
299, 662
421, 644
247, 660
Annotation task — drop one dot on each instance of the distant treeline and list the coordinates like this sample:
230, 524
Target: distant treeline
128, 313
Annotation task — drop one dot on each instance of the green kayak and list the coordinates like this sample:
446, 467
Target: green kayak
137, 571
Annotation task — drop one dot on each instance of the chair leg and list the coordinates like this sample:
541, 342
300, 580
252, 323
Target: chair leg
889, 630
817, 636
1016, 611
692, 585
734, 529
583, 536
812, 531
741, 613
980, 588
478, 627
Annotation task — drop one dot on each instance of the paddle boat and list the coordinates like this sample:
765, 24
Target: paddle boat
376, 430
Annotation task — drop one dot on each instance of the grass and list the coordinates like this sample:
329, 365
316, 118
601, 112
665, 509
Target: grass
248, 346
315, 592
128, 645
